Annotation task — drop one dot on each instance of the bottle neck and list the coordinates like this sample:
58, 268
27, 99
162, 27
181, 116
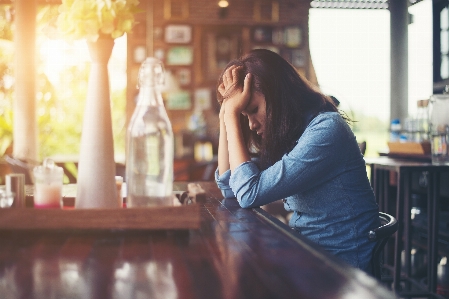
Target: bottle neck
150, 96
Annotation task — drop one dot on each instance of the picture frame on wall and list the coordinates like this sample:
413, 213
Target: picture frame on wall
180, 56
178, 34
178, 100
293, 36
203, 98
220, 48
184, 76
299, 58
262, 34
277, 36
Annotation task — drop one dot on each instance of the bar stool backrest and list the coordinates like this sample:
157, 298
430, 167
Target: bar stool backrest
380, 235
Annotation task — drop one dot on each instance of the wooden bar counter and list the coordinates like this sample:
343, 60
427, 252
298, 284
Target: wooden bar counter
236, 253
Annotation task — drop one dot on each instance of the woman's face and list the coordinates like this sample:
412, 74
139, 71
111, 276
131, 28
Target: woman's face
256, 113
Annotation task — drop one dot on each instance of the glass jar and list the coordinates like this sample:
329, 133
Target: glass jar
439, 128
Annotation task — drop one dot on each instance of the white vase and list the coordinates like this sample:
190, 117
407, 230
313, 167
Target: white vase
96, 169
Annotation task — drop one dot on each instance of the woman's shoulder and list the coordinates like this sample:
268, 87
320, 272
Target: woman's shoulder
330, 124
326, 118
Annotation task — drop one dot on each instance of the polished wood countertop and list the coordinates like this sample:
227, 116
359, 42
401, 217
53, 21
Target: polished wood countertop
236, 253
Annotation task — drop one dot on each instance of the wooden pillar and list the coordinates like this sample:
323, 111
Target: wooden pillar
399, 59
24, 101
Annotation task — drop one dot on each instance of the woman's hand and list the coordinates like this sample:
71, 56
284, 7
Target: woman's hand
232, 149
235, 97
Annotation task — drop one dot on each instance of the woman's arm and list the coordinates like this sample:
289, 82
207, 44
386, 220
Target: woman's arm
321, 154
236, 98
223, 153
238, 152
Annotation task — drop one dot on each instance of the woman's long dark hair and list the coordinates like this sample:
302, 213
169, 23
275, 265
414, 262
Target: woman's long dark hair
289, 97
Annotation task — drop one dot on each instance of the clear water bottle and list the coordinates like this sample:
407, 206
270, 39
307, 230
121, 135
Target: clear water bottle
150, 144
395, 130
422, 117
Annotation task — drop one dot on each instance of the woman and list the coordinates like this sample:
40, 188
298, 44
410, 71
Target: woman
282, 139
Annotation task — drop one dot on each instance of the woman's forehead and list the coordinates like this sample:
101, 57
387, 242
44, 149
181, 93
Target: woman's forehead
257, 98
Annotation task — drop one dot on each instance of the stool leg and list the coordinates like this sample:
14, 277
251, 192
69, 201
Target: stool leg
432, 230
407, 229
398, 240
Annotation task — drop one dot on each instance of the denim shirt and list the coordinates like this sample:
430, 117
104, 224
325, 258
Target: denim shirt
323, 181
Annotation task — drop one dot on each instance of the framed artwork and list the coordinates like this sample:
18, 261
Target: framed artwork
178, 100
293, 36
183, 76
299, 58
180, 56
220, 48
277, 36
178, 34
203, 98
262, 34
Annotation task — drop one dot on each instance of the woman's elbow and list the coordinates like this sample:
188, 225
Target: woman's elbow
227, 193
246, 203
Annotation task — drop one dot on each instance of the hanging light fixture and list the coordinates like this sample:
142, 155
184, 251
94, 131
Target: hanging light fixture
223, 8
223, 3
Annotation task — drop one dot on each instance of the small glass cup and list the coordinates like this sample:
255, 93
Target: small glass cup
439, 145
48, 180
6, 198
439, 129
118, 184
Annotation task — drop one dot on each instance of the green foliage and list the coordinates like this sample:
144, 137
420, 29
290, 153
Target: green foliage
5, 22
5, 130
369, 123
6, 58
372, 130
60, 107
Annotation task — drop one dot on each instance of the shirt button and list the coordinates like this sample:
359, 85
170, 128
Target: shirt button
284, 200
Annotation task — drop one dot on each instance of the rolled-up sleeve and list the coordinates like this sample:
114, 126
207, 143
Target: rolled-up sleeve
223, 183
243, 182
318, 157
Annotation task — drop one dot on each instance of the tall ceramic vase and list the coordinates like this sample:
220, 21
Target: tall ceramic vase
96, 169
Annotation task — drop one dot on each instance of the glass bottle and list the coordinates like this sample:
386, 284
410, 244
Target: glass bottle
150, 143
422, 117
395, 130
439, 128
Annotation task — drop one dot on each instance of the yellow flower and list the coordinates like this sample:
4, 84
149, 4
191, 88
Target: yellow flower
88, 19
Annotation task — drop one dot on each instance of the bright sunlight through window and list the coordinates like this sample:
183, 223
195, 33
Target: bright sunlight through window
351, 54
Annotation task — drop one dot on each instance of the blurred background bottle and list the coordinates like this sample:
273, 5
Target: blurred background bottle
395, 130
422, 117
150, 143
439, 128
